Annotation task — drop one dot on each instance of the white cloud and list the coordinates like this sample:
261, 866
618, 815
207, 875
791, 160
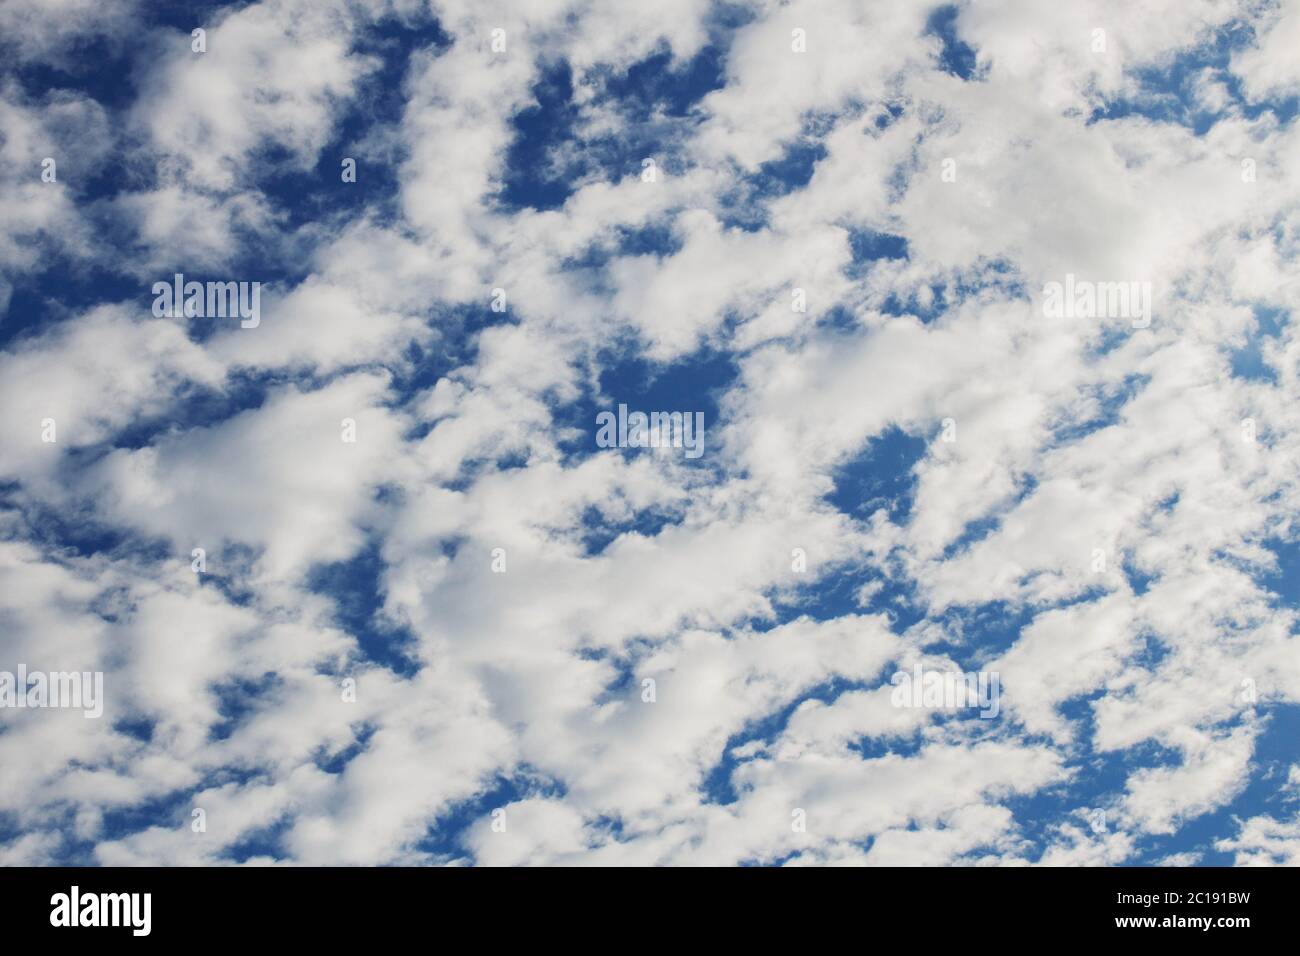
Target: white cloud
1073, 437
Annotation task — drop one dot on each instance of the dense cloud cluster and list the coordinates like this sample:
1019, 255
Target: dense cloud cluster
837, 254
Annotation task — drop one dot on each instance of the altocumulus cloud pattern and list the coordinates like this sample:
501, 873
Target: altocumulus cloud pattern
679, 432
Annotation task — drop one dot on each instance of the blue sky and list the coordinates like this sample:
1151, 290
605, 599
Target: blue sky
460, 630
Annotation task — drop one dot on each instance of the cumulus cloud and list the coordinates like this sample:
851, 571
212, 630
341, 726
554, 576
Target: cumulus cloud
365, 589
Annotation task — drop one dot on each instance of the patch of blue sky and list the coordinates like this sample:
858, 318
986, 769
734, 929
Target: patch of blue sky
887, 114
716, 784
900, 600
1106, 403
1151, 653
976, 635
1166, 90
655, 98
95, 67
881, 476
137, 727
445, 837
868, 245
840, 320
1261, 794
453, 345
171, 807
103, 67
549, 157
263, 842
59, 290
977, 529
357, 589
229, 571
1097, 779
745, 205
532, 178
112, 605
1169, 502
831, 594
1099, 782
10, 828
599, 531
73, 530
657, 85
1139, 580
185, 15
193, 406
990, 279
623, 684
360, 131
911, 302
1040, 815
651, 239
978, 720
793, 170
1285, 580
657, 239
776, 861
1248, 362
956, 56
605, 829
1085, 596
472, 469
299, 197
887, 745
334, 762
688, 386
979, 633
693, 384
238, 699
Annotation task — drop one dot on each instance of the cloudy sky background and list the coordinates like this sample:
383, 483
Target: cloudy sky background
1125, 690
